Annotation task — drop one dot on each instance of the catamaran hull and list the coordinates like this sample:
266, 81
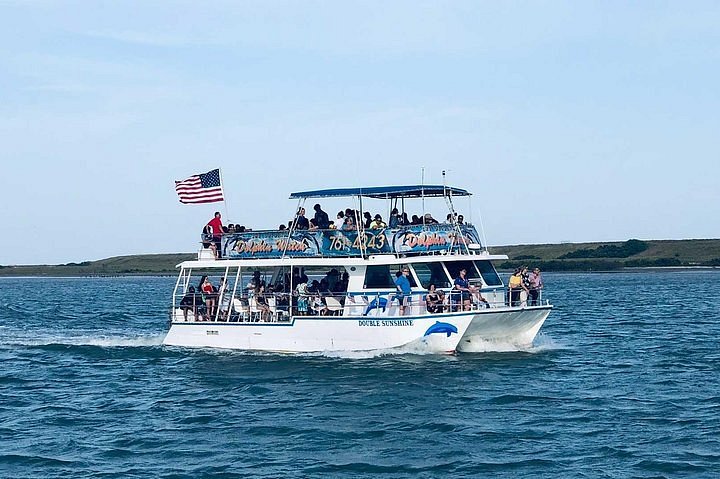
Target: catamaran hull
514, 328
427, 334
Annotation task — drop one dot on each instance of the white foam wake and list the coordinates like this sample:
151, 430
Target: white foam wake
101, 341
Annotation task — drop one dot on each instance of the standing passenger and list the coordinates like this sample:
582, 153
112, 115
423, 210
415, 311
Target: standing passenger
217, 232
321, 218
402, 283
536, 284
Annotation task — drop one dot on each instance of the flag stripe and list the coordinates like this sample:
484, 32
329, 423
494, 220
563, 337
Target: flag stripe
201, 188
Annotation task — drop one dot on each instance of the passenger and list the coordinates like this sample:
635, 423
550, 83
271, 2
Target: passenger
416, 220
449, 219
331, 277
367, 220
429, 220
342, 285
395, 219
313, 225
461, 220
189, 302
324, 292
321, 218
378, 223
217, 232
526, 286
536, 284
209, 293
262, 304
461, 290
432, 300
442, 303
303, 296
207, 240
282, 227
404, 294
257, 281
301, 223
515, 285
231, 228
240, 229
405, 220
349, 224
339, 219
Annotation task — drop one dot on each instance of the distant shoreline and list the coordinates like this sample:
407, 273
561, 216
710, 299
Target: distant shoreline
608, 257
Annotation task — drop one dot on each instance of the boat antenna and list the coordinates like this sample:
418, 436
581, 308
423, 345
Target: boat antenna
422, 191
301, 202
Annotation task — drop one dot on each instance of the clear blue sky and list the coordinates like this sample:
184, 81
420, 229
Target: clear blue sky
570, 121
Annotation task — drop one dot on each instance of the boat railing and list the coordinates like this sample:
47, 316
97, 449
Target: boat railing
403, 240
281, 307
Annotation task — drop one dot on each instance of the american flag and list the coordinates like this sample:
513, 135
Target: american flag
202, 188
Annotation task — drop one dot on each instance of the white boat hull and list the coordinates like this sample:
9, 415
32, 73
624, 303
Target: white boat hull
510, 327
463, 331
434, 334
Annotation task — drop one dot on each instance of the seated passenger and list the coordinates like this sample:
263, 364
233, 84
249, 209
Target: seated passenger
461, 220
190, 302
367, 219
378, 223
395, 218
429, 220
416, 220
339, 219
207, 240
349, 224
262, 303
432, 300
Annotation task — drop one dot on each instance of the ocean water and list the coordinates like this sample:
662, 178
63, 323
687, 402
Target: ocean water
623, 381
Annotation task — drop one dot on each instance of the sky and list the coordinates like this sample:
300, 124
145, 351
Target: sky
569, 121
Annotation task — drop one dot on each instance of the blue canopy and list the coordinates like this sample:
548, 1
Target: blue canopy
382, 192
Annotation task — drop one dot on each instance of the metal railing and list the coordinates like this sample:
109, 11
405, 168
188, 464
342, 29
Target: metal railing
281, 307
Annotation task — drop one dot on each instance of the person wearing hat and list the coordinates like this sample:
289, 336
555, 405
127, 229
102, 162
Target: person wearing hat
378, 223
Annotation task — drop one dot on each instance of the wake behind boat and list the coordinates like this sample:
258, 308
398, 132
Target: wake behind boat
422, 287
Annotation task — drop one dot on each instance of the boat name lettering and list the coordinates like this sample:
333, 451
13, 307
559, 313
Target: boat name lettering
427, 240
385, 322
253, 247
292, 245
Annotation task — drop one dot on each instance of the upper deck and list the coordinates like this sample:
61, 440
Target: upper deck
400, 241
355, 240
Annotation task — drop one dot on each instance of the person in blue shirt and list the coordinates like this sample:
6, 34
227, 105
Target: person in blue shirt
402, 283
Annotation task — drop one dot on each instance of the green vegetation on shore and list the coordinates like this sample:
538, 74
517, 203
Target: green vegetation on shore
610, 256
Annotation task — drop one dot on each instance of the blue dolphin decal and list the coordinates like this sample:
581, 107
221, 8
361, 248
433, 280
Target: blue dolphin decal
439, 327
376, 303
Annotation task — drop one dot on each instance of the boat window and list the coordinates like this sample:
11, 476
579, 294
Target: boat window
454, 268
332, 275
431, 273
378, 276
489, 275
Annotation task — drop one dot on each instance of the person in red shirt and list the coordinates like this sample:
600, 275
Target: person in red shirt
217, 231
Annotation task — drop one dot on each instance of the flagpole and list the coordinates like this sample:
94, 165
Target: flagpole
222, 186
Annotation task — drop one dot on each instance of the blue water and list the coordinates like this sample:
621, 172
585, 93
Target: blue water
622, 382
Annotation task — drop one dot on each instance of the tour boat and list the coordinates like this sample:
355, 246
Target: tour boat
335, 289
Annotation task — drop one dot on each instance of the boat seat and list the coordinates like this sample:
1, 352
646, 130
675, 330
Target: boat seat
333, 305
241, 309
